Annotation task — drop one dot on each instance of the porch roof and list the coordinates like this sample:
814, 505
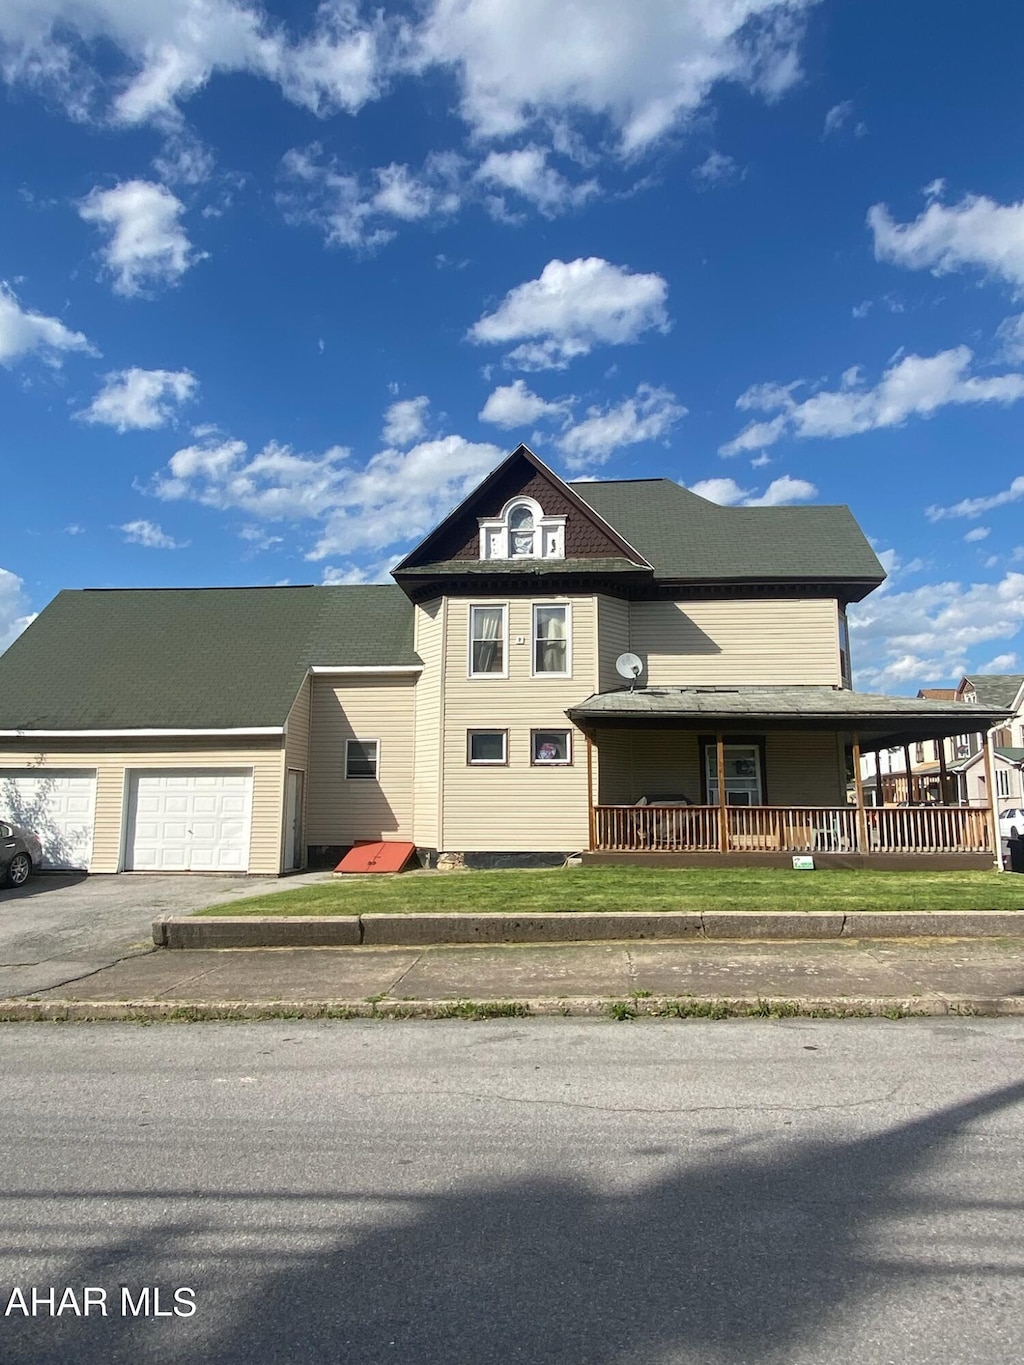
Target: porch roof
880, 721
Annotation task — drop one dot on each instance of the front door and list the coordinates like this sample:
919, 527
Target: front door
293, 820
742, 775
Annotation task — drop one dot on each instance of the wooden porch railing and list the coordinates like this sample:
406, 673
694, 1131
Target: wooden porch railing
793, 829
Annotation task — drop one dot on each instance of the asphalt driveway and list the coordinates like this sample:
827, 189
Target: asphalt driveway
61, 927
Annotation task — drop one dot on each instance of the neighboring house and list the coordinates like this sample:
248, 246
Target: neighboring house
961, 757
474, 707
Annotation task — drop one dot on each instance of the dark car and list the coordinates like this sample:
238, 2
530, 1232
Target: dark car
21, 853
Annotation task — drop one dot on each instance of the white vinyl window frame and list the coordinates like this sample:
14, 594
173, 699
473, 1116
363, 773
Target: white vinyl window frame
472, 637
538, 741
536, 672
363, 777
478, 730
1002, 782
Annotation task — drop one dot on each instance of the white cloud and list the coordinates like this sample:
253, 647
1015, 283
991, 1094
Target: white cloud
913, 385
23, 333
184, 160
726, 492
514, 405
976, 232
137, 400
526, 172
14, 613
715, 169
1002, 663
397, 496
978, 533
779, 492
977, 507
170, 49
540, 61
649, 415
149, 534
359, 212
147, 244
1011, 333
783, 490
927, 633
836, 117
759, 461
573, 307
405, 421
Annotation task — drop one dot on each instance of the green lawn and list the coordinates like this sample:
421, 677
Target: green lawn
639, 888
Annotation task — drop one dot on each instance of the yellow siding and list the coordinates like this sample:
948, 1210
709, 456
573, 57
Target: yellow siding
427, 789
296, 755
518, 808
802, 769
339, 811
112, 765
613, 640
732, 643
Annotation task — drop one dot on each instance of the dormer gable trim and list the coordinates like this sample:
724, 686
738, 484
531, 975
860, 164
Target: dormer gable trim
421, 553
510, 535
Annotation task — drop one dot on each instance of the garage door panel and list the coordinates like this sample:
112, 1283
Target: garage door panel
59, 805
196, 820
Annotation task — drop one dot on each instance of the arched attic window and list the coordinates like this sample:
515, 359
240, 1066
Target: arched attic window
522, 531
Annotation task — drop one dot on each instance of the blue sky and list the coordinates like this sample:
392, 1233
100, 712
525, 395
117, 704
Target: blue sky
281, 285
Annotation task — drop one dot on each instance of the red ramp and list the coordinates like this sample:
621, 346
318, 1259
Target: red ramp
386, 856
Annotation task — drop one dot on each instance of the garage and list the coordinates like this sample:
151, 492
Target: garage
59, 804
189, 820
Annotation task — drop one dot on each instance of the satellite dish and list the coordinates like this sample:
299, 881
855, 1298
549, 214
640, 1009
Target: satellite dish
629, 666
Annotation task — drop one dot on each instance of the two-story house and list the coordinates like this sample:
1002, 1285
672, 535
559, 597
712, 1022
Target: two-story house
617, 668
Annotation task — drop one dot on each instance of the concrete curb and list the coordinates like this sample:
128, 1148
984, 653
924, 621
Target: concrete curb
610, 1008
419, 930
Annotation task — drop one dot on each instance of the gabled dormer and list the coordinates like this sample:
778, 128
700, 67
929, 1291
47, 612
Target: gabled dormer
522, 524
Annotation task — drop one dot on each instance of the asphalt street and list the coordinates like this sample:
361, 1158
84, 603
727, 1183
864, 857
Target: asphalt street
640, 1193
61, 927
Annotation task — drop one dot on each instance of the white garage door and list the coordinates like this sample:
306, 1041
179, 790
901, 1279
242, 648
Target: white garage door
59, 804
189, 820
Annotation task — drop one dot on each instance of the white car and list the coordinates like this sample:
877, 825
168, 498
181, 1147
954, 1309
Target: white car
1011, 823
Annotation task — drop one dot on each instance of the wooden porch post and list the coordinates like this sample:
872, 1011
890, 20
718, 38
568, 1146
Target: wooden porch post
723, 826
990, 782
591, 815
943, 776
906, 769
862, 819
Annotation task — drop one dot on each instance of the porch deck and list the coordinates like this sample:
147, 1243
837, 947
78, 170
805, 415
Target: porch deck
920, 831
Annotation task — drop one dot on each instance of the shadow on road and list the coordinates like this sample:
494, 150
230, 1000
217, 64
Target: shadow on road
744, 1258
42, 882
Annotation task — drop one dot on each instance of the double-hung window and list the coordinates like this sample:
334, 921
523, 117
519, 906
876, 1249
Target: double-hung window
552, 646
487, 642
361, 758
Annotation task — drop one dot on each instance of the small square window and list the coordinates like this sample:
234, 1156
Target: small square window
550, 748
361, 758
487, 748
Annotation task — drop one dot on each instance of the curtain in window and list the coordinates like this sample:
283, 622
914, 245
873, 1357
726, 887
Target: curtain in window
520, 531
487, 641
552, 641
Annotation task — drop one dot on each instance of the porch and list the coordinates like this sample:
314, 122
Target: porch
674, 780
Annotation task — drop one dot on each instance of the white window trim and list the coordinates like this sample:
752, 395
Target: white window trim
472, 762
543, 527
487, 606
534, 673
355, 778
536, 762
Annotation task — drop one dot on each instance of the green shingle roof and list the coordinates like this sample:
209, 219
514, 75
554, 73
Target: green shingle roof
192, 658
687, 537
996, 689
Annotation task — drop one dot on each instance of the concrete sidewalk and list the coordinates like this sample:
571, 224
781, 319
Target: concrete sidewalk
934, 976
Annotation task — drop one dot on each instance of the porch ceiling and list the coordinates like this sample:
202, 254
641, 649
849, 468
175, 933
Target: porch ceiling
880, 722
